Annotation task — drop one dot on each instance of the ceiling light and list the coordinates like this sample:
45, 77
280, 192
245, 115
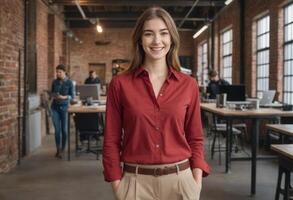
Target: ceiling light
200, 31
228, 2
99, 27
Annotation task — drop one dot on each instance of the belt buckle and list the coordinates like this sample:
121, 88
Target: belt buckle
158, 172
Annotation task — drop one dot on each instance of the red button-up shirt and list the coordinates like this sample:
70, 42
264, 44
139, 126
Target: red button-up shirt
143, 129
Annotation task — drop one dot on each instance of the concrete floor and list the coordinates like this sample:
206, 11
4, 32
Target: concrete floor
42, 177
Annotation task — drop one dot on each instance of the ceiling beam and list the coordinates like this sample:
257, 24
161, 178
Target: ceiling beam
187, 14
115, 24
131, 18
183, 3
124, 15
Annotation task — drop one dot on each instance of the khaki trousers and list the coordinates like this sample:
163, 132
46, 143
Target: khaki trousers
176, 186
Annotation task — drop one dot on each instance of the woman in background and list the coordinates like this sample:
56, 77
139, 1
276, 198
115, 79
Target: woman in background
62, 93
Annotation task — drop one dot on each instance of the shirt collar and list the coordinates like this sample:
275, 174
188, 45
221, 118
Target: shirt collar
172, 73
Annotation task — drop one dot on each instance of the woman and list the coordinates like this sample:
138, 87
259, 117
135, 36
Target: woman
62, 92
153, 120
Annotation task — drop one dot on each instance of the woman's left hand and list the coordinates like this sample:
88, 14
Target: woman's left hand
197, 175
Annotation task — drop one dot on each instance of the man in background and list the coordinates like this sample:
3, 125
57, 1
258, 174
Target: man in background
93, 78
214, 85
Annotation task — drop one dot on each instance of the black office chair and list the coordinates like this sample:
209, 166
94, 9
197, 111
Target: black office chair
89, 127
219, 130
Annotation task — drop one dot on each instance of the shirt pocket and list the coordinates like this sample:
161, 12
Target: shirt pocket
65, 90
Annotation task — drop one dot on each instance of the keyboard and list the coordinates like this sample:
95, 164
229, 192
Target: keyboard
272, 105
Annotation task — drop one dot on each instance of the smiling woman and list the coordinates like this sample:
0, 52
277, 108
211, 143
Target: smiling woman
156, 40
153, 120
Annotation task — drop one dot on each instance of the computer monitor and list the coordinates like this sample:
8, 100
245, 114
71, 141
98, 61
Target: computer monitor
88, 90
267, 97
234, 92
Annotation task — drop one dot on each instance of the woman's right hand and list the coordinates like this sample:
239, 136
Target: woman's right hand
115, 185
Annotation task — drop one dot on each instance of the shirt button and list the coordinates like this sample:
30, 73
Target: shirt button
157, 146
158, 109
161, 94
157, 128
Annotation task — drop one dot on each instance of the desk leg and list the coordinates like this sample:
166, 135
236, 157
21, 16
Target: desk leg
254, 149
68, 137
228, 145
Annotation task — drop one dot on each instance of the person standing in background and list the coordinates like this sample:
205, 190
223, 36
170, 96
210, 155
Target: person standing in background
62, 92
93, 78
153, 122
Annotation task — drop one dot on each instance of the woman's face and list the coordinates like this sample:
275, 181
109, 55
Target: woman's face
156, 39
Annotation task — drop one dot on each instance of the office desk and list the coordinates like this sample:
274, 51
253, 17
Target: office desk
283, 150
81, 109
285, 154
284, 129
255, 115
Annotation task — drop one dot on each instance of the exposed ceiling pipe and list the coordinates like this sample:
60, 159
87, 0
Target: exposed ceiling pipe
91, 20
186, 16
80, 9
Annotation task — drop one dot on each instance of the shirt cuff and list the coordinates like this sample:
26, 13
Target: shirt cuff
112, 175
201, 164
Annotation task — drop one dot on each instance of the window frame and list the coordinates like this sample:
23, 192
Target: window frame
290, 60
266, 49
227, 56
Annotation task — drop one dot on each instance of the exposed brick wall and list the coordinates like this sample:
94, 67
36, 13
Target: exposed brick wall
55, 46
229, 17
11, 41
119, 48
42, 46
186, 43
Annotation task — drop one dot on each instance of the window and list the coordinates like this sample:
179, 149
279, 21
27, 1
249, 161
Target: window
203, 64
288, 55
227, 55
262, 54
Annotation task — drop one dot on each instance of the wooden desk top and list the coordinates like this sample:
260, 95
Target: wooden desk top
283, 149
286, 129
86, 109
262, 112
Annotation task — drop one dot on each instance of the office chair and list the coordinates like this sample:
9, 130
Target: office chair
89, 126
218, 130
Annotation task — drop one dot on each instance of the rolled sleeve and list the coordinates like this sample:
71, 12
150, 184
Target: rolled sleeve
194, 132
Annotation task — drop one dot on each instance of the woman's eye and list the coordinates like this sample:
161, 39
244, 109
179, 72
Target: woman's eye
147, 34
165, 33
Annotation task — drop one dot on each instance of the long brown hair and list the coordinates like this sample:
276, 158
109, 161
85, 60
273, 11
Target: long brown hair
138, 52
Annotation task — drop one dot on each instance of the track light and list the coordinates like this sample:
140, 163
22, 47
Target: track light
200, 31
228, 2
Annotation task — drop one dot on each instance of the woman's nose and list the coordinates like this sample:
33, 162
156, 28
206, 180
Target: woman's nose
157, 39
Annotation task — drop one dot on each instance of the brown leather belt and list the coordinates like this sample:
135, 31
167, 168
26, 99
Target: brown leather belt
156, 171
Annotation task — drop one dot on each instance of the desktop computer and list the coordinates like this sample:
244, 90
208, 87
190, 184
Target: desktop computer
235, 93
89, 93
